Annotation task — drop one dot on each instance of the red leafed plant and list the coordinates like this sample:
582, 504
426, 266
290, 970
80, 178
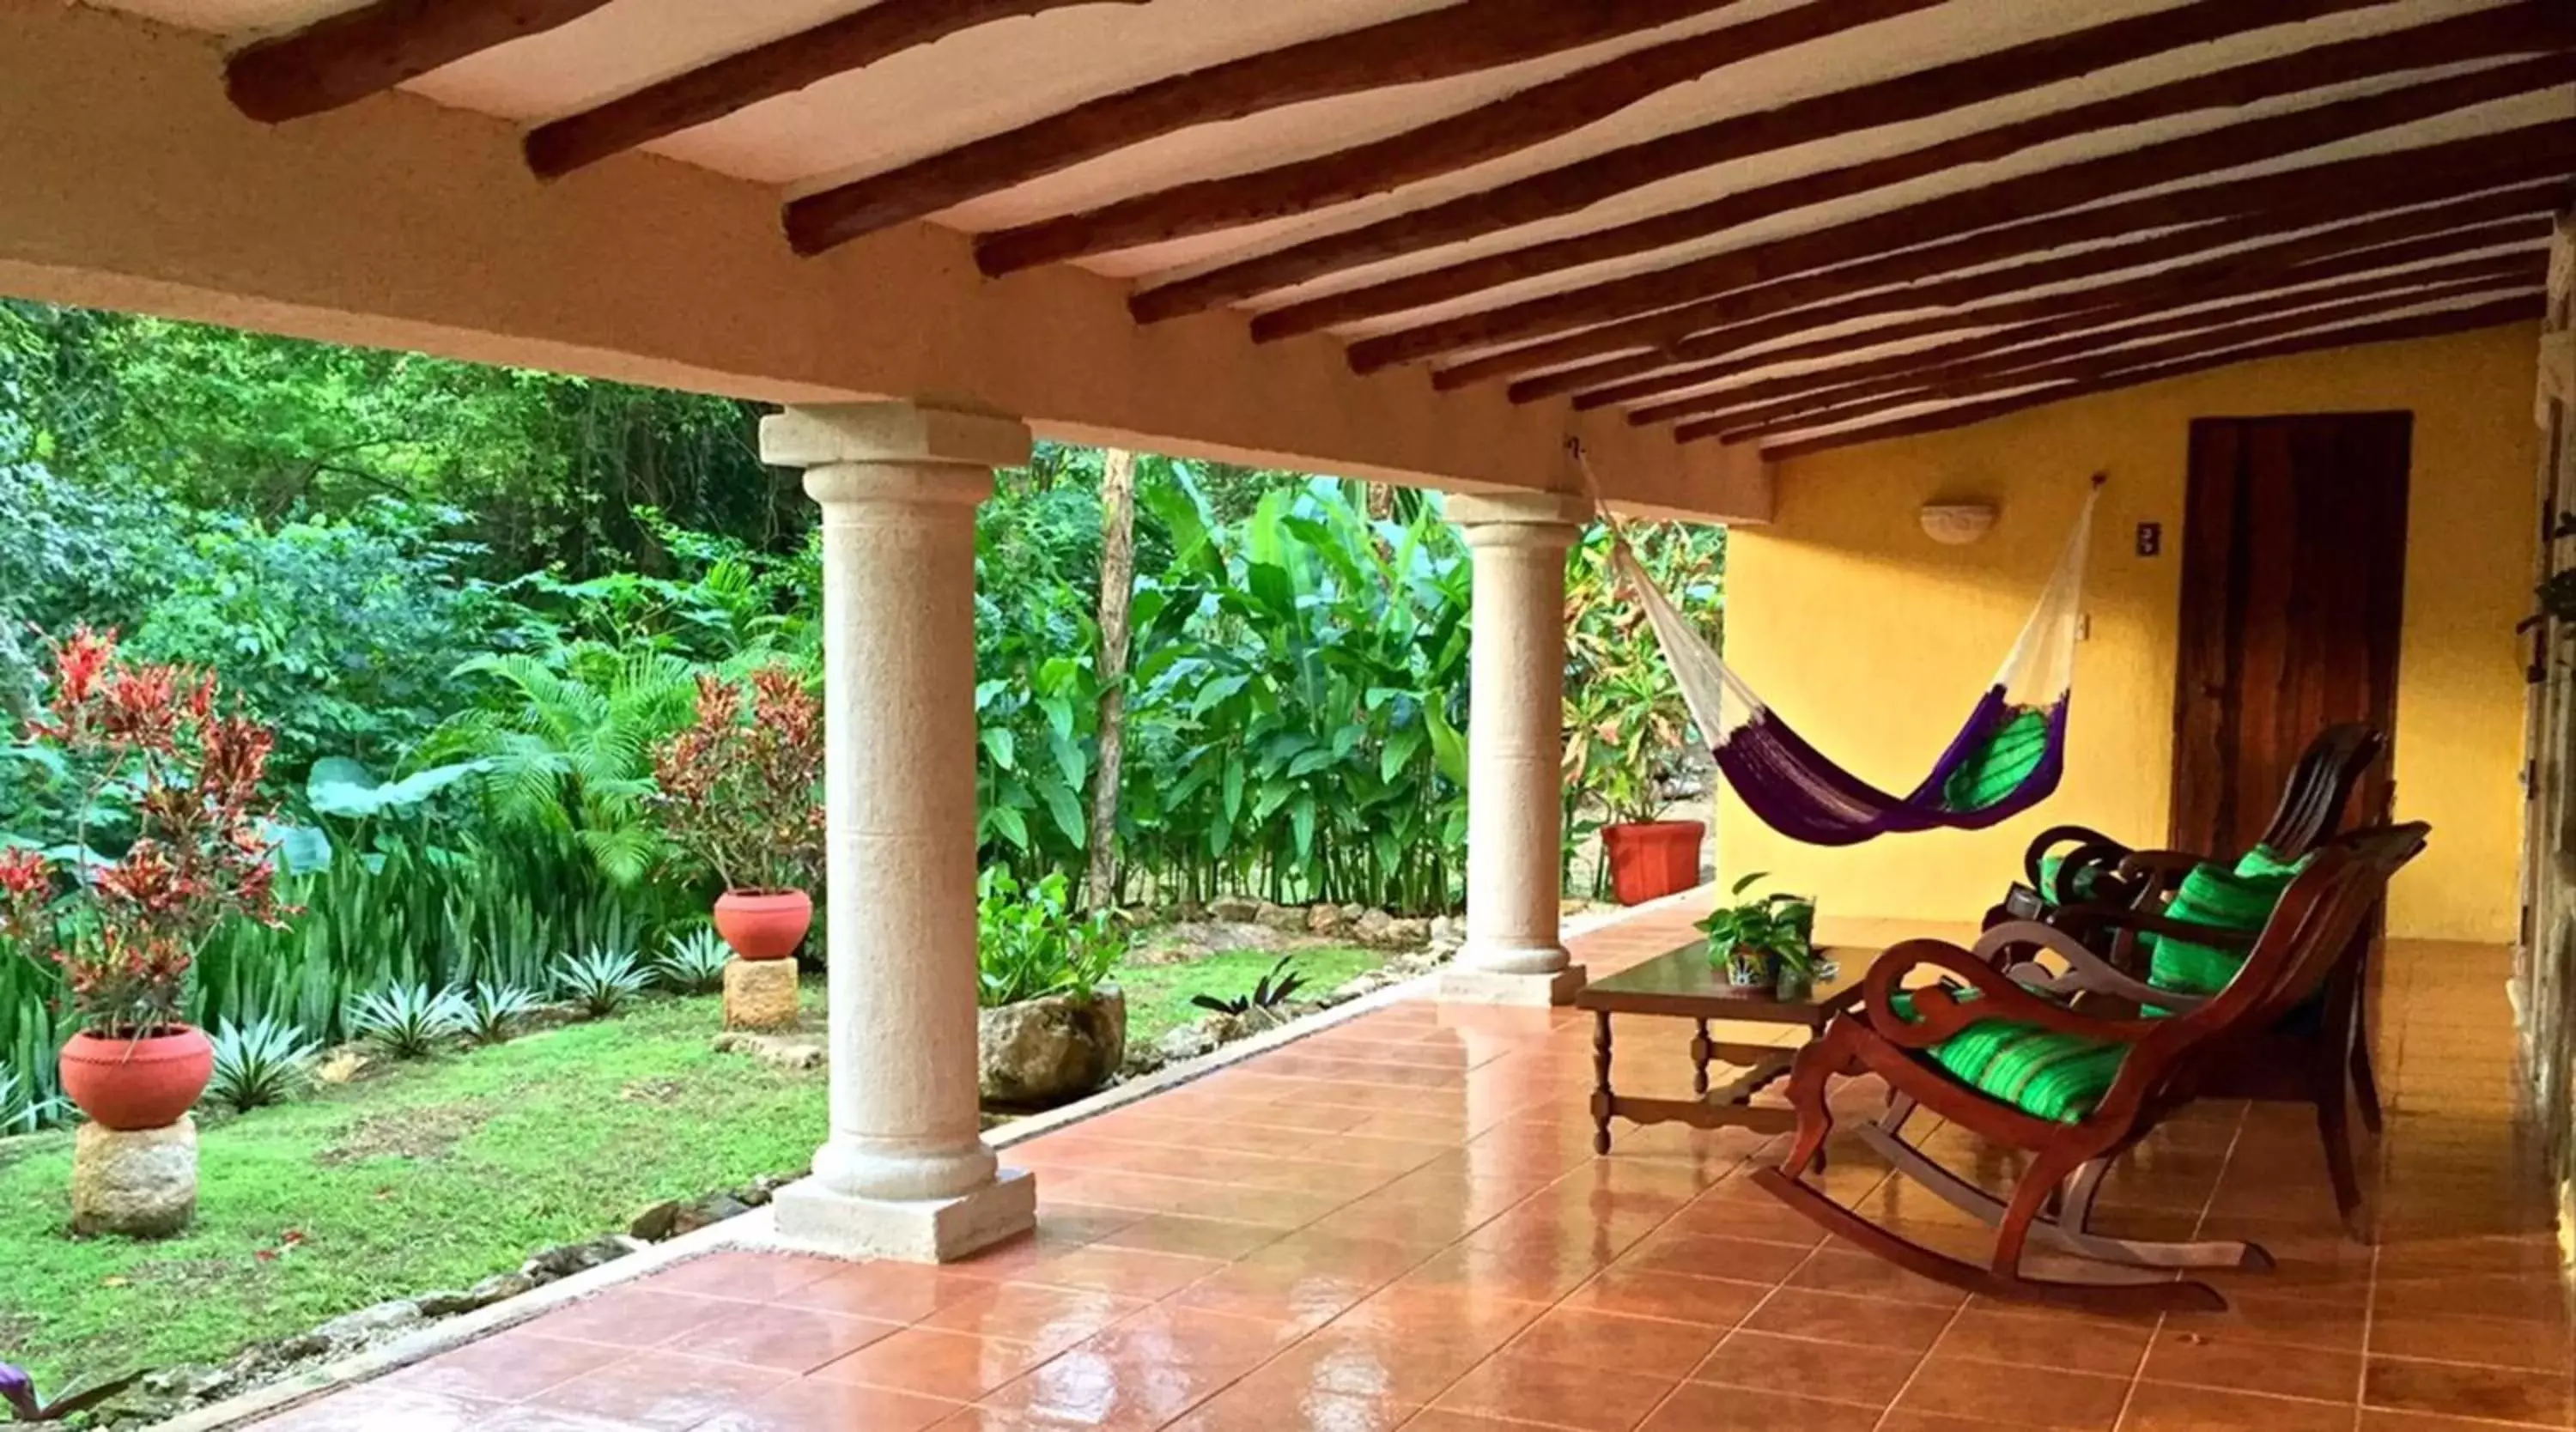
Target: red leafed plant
124, 931
738, 786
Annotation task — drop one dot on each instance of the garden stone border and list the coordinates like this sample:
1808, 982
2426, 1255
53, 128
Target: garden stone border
758, 1230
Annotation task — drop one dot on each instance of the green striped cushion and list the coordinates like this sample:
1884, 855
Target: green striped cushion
2240, 900
2043, 1073
2057, 892
1998, 768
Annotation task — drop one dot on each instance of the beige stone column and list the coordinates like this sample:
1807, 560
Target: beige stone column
905, 1173
1515, 749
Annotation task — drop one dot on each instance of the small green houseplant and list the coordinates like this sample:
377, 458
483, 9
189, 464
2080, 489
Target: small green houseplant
1768, 941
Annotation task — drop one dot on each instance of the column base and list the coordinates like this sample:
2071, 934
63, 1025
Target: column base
1463, 984
928, 1230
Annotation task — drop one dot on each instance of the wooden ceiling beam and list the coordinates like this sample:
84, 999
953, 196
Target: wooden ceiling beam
1457, 39
2050, 191
1515, 122
1776, 405
343, 58
2292, 199
782, 66
1926, 93
1732, 428
2429, 325
2237, 274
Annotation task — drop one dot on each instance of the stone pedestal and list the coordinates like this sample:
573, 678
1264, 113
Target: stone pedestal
135, 1185
905, 1173
1515, 750
760, 994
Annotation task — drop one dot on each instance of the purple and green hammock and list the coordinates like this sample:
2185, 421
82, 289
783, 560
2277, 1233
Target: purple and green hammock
2007, 757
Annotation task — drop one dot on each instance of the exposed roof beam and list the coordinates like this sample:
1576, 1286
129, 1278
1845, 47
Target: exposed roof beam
1779, 405
1456, 39
2450, 230
1572, 187
1489, 131
1953, 215
2248, 210
782, 66
2427, 325
346, 57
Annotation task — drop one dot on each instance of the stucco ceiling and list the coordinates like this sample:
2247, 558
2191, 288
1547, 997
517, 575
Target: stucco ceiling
1013, 72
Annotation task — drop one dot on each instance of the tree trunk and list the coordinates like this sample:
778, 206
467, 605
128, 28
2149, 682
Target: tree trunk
1117, 583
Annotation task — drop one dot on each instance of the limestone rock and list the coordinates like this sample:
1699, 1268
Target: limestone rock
500, 1288
1289, 918
1325, 920
1044, 1051
1189, 1041
1408, 932
574, 1258
139, 1184
369, 1326
712, 1209
779, 1051
655, 1224
1372, 926
760, 994
1234, 909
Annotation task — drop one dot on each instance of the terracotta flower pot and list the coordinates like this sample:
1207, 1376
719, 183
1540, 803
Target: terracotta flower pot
764, 924
1652, 859
135, 1084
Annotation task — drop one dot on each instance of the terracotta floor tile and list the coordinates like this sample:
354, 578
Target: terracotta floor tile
814, 1405
1130, 1272
1085, 1387
661, 1390
1845, 1270
1242, 1409
503, 1368
2498, 1394
1275, 1294
890, 1292
1197, 1237
2005, 1396
755, 1277
1836, 1372
1711, 1302
1440, 1419
1745, 1260
367, 1408
2217, 1360
1031, 1313
1191, 1337
955, 1366
1557, 1394
2168, 1407
1834, 1317
2288, 1318
796, 1340
1705, 1407
2037, 1337
2496, 1342
1650, 1347
632, 1317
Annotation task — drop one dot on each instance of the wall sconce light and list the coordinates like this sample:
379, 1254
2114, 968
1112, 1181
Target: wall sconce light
1956, 524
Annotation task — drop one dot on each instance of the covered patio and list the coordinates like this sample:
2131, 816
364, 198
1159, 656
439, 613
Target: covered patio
1807, 269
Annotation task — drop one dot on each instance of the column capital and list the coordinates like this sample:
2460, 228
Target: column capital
828, 435
1520, 519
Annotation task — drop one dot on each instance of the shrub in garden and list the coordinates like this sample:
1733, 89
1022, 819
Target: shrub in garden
410, 1021
493, 1012
601, 981
1030, 944
266, 1063
692, 963
737, 786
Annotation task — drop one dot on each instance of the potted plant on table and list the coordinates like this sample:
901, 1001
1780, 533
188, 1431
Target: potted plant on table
1768, 942
738, 794
179, 781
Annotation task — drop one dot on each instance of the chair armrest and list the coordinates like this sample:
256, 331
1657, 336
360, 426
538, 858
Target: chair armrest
2055, 836
1940, 1013
2085, 973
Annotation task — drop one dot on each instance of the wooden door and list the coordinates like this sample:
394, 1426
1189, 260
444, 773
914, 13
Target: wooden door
2294, 566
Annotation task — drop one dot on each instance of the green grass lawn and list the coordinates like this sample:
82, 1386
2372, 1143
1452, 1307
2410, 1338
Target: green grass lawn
437, 1174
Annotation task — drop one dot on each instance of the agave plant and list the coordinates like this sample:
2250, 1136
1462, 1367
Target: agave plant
409, 1021
693, 963
602, 980
23, 1110
263, 1064
493, 1012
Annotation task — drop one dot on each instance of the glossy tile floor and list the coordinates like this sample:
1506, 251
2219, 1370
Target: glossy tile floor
1399, 1223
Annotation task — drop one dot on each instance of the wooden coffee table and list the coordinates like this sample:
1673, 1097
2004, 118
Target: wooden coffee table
1683, 985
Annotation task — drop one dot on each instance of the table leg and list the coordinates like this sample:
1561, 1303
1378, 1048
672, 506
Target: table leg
1601, 1098
1701, 1053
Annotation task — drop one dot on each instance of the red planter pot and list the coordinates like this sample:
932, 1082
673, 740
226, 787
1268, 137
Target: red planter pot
1652, 859
764, 924
133, 1084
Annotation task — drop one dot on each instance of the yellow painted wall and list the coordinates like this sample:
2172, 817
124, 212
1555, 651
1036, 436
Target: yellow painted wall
1872, 641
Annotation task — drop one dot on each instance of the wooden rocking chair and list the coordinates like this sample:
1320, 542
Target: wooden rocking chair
2076, 1089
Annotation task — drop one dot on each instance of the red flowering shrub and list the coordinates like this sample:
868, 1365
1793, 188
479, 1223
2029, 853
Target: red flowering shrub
124, 931
738, 786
